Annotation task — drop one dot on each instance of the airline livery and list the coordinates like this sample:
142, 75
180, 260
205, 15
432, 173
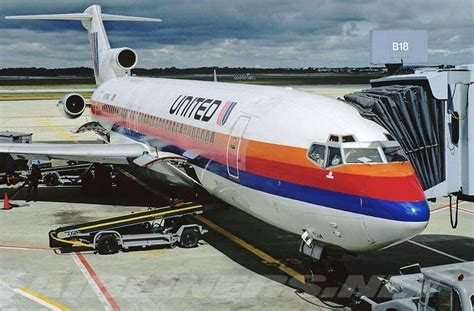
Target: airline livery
307, 164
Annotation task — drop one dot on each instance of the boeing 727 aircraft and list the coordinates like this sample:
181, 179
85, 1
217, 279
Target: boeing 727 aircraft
304, 163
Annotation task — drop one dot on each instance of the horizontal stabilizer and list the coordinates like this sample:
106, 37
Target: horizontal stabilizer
84, 17
66, 17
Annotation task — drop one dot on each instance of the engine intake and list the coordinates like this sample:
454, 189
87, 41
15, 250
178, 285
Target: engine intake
127, 58
72, 105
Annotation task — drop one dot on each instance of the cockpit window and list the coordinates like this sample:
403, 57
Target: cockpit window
389, 137
317, 153
348, 139
362, 155
394, 154
334, 156
334, 138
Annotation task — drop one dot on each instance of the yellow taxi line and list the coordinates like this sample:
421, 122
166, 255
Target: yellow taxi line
47, 302
269, 260
56, 129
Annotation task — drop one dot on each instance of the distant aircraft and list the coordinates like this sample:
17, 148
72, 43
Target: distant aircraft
304, 163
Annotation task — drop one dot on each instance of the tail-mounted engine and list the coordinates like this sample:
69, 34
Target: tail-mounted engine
120, 60
72, 105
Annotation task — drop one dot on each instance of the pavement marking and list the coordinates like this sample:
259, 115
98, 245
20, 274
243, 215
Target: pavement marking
436, 251
24, 248
57, 130
267, 258
46, 302
33, 296
441, 208
466, 211
99, 288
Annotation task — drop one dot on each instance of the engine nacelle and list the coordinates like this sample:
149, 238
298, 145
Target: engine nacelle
121, 59
72, 105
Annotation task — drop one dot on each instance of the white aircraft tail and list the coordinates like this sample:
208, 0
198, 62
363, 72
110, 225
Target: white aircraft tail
108, 63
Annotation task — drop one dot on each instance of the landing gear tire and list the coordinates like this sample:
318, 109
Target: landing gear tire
107, 244
330, 272
97, 182
87, 183
189, 238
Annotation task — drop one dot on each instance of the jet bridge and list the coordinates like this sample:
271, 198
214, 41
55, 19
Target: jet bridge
428, 112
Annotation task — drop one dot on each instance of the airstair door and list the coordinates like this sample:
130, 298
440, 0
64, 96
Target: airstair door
233, 146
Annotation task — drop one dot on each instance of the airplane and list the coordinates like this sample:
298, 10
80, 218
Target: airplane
307, 164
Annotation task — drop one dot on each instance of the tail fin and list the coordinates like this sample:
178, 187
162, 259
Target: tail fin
103, 56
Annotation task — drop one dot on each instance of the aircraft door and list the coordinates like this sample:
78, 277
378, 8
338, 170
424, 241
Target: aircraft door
233, 146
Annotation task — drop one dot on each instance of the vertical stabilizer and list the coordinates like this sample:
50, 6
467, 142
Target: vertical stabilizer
108, 63
98, 40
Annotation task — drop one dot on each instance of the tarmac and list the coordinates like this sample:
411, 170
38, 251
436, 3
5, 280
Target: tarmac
242, 263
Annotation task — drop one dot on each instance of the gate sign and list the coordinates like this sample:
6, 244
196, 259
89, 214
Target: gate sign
398, 46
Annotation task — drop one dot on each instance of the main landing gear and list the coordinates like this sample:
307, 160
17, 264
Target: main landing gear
97, 180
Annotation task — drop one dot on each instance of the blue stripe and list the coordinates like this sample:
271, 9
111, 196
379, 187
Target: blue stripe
227, 113
417, 211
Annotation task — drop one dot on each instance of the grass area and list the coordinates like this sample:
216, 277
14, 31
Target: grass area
47, 86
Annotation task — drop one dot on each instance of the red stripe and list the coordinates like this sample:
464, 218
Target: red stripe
221, 115
98, 282
397, 188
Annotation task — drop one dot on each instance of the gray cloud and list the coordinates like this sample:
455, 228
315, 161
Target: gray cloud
266, 33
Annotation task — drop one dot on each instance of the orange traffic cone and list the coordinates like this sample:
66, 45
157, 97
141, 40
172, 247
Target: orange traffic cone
6, 202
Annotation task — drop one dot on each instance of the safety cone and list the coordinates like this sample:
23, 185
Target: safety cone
6, 202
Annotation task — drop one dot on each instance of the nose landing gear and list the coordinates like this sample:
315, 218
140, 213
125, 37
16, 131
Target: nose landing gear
325, 265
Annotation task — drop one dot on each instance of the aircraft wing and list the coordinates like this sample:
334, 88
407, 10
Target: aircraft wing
97, 153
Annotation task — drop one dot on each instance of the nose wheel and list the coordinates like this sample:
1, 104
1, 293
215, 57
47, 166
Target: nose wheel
326, 265
327, 271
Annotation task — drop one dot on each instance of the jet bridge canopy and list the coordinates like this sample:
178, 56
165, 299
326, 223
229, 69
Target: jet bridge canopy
428, 112
415, 119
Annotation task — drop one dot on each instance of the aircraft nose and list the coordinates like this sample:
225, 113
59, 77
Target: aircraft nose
397, 221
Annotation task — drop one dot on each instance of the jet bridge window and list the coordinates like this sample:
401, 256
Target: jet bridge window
334, 156
317, 153
362, 155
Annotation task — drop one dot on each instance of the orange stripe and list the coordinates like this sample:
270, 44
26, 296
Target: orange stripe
268, 151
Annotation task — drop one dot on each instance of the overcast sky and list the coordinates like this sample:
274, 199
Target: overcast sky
265, 33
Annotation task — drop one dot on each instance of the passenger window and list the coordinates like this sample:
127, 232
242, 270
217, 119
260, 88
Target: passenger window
317, 153
362, 155
334, 157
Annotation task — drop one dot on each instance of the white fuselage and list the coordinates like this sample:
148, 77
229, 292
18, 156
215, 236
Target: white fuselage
249, 146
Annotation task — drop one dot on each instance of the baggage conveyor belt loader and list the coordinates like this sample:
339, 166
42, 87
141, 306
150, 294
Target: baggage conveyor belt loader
158, 226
